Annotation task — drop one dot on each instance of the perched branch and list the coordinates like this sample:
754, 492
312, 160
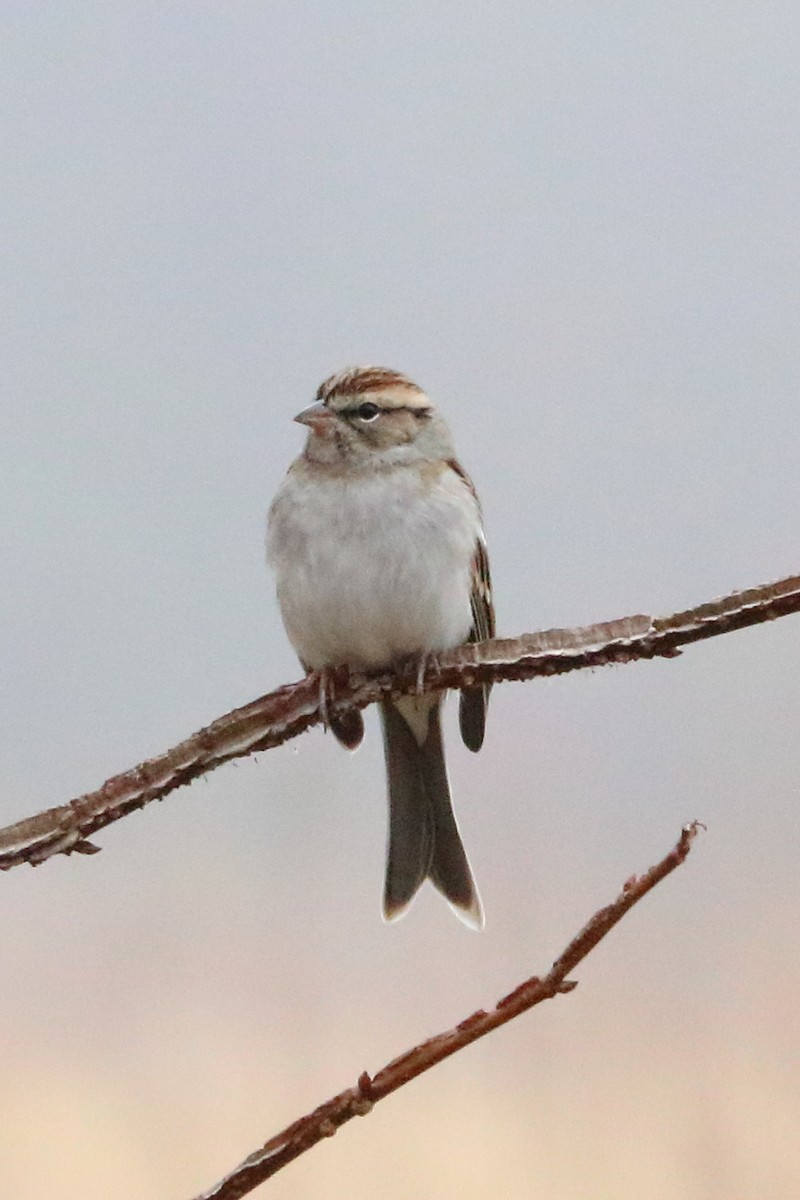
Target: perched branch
291, 709
358, 1101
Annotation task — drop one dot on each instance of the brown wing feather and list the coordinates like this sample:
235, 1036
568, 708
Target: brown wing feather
474, 701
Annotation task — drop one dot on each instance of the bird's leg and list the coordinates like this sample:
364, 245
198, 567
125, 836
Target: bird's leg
426, 659
324, 686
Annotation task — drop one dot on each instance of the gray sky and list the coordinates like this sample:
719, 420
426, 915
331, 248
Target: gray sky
576, 225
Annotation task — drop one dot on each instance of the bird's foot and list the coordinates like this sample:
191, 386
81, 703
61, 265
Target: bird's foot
426, 660
348, 726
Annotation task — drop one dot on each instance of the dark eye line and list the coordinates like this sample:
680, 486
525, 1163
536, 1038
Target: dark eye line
356, 410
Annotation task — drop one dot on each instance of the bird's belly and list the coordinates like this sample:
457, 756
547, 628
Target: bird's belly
380, 578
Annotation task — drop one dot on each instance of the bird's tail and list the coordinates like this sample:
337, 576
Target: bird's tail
423, 842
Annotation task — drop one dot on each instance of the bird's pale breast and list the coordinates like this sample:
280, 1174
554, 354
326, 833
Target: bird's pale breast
373, 568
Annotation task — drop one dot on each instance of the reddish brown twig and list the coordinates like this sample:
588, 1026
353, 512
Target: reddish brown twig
291, 709
357, 1101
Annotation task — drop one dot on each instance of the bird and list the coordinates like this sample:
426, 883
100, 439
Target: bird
376, 541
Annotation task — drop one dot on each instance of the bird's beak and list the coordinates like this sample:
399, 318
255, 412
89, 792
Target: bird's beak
317, 416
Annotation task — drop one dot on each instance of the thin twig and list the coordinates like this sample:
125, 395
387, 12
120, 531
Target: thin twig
288, 711
357, 1101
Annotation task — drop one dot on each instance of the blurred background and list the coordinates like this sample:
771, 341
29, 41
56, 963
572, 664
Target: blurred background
576, 225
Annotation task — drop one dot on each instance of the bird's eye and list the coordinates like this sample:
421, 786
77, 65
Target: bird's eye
368, 411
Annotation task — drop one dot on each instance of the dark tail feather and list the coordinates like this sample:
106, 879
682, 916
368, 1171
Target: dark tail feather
472, 707
349, 728
424, 841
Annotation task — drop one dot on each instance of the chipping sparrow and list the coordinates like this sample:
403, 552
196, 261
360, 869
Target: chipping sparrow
376, 541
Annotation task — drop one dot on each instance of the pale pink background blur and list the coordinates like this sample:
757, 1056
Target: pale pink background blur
576, 225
